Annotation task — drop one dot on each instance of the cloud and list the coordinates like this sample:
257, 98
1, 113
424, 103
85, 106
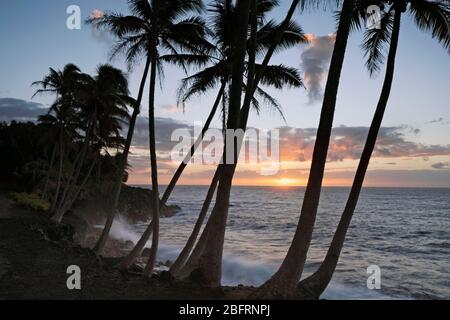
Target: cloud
315, 60
99, 34
20, 110
164, 128
435, 121
439, 120
169, 108
441, 165
296, 146
96, 14
347, 143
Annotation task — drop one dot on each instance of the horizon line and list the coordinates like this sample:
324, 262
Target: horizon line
296, 186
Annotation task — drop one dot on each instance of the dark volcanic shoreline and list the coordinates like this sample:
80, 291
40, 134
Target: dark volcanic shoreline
35, 255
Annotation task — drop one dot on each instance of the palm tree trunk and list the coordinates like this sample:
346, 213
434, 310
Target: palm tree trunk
192, 262
209, 265
253, 82
118, 185
265, 63
73, 178
315, 285
153, 159
50, 168
184, 255
284, 281
129, 260
153, 227
154, 168
60, 172
78, 189
194, 147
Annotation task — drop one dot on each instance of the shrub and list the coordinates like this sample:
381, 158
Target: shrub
30, 201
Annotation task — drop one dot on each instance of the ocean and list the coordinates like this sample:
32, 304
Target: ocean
405, 232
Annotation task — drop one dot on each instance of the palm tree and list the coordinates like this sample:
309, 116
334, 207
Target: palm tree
103, 102
429, 16
283, 283
153, 28
63, 84
210, 261
205, 260
223, 22
156, 27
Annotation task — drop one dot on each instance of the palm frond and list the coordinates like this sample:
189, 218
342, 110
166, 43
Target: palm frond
434, 17
375, 41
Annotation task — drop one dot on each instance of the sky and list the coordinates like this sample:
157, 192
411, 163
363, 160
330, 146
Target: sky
413, 149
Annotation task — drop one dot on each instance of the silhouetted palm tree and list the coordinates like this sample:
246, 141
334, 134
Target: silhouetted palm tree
64, 84
430, 16
160, 31
102, 101
223, 21
205, 259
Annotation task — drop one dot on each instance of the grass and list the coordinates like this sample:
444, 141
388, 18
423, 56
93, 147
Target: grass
29, 201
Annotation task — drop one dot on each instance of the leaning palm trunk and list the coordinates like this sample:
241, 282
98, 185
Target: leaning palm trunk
284, 281
78, 189
73, 178
121, 173
131, 258
128, 261
184, 255
209, 265
194, 147
313, 286
153, 227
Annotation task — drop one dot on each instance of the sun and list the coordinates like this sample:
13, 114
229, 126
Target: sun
287, 182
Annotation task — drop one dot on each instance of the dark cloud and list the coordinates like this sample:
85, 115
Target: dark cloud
164, 129
315, 60
20, 110
436, 121
441, 165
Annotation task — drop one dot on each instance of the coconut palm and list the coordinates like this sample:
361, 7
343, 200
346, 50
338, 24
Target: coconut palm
222, 21
219, 74
102, 101
431, 16
205, 260
156, 29
64, 85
